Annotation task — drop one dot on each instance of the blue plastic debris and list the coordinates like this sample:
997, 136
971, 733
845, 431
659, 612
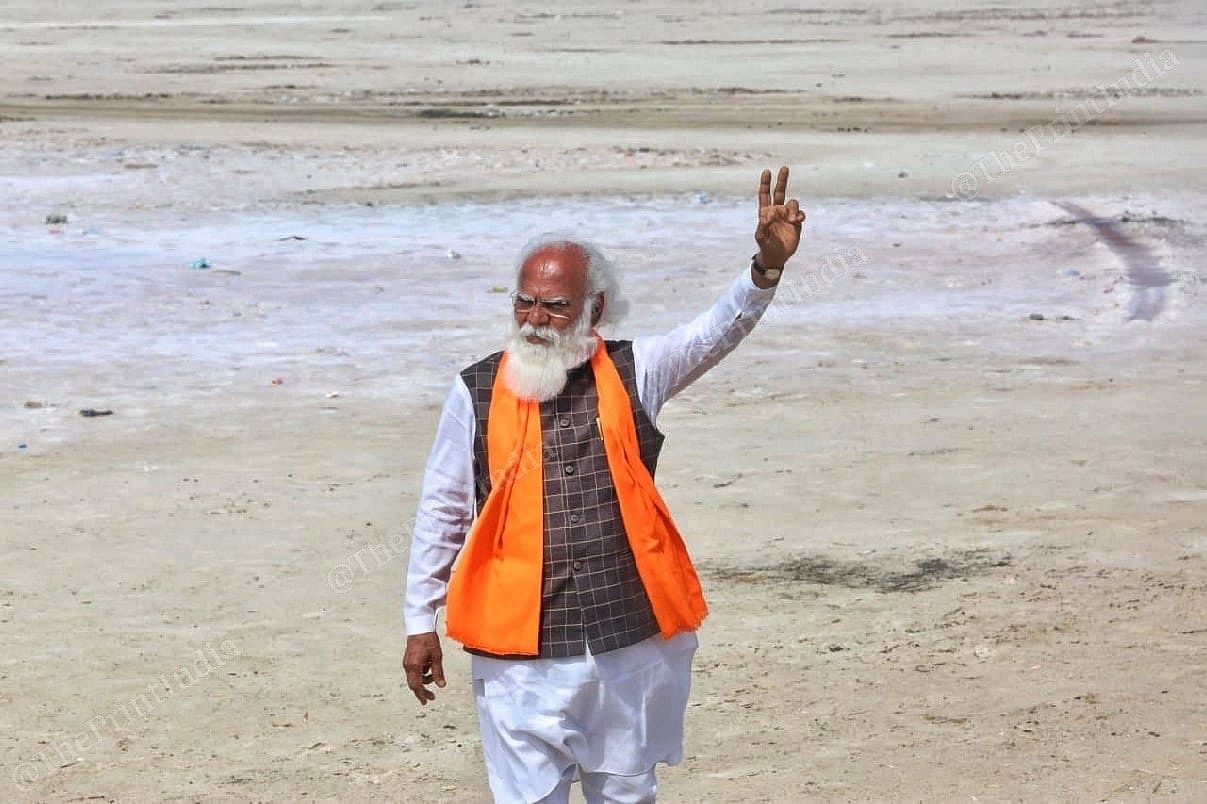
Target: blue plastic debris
200, 264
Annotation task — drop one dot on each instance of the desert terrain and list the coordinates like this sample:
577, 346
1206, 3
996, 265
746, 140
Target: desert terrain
948, 499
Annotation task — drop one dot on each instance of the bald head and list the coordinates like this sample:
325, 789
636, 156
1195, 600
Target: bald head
564, 264
558, 274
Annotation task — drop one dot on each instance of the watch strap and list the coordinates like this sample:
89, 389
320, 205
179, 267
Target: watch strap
770, 273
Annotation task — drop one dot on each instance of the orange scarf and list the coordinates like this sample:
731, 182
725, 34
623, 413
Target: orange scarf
494, 595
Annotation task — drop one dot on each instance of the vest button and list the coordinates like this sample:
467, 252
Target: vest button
575, 519
564, 421
569, 469
577, 565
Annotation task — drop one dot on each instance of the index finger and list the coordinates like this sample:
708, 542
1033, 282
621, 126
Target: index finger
781, 185
765, 189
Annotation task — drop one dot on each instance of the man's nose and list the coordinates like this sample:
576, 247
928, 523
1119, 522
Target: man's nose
537, 316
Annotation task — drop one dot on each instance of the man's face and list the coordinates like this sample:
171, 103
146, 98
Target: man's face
551, 332
555, 278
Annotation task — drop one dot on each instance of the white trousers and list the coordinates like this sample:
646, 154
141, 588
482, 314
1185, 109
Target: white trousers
606, 719
606, 788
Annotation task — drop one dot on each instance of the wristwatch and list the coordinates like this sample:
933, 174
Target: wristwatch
771, 274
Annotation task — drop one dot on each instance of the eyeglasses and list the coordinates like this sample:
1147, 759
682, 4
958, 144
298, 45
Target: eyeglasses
554, 308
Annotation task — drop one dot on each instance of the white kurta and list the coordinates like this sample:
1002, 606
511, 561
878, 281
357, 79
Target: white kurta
540, 716
664, 364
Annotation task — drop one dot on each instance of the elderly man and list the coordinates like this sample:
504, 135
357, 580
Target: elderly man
571, 587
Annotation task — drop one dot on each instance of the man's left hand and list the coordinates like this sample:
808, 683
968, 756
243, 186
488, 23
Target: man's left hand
778, 232
423, 662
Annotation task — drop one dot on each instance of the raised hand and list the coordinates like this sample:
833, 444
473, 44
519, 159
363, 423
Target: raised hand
778, 231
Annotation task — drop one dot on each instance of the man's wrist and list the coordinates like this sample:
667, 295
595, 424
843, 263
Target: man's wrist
764, 276
761, 263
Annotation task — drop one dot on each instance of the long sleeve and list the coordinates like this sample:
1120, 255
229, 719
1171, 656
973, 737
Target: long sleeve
666, 364
446, 509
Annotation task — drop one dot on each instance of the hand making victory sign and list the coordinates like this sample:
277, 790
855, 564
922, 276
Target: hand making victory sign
779, 228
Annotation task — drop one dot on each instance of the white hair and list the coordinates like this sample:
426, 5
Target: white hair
601, 273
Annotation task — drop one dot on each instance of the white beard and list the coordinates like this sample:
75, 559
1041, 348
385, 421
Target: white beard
538, 371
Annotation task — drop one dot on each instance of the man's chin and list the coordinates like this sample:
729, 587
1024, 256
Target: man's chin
533, 379
537, 368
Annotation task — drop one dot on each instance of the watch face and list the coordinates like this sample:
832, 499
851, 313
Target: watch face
772, 273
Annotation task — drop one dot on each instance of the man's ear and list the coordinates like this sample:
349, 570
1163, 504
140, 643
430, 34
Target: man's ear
597, 308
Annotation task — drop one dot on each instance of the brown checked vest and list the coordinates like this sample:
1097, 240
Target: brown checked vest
591, 594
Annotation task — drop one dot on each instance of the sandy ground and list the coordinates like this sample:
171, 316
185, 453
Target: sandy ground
948, 500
